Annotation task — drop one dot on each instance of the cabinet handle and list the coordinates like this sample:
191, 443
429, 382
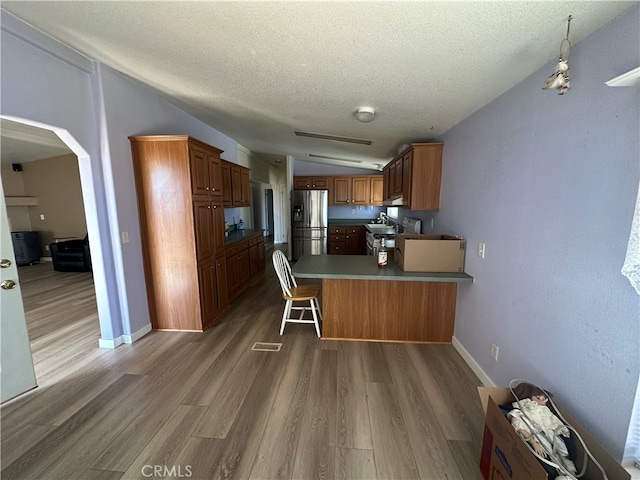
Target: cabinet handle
215, 206
207, 188
347, 236
208, 206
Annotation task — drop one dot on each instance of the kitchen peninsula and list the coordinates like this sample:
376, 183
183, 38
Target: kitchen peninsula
361, 301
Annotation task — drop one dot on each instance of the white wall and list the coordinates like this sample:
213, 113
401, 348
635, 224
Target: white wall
549, 183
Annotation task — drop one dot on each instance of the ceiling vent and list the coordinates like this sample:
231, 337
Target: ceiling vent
313, 155
321, 136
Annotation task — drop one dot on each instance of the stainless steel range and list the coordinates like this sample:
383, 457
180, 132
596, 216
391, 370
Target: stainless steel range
376, 232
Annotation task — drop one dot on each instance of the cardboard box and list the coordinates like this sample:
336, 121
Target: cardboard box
429, 253
505, 455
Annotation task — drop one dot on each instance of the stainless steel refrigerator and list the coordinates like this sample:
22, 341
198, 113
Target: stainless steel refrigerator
309, 222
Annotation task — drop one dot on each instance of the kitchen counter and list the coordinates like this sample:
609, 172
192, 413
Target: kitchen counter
361, 301
365, 267
349, 221
239, 235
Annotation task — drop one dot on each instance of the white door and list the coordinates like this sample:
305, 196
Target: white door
16, 364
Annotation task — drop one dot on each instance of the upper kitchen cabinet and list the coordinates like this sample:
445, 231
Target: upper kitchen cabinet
235, 185
415, 176
348, 190
377, 182
179, 193
311, 183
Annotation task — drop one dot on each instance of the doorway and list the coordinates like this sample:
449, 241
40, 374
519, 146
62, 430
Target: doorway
59, 307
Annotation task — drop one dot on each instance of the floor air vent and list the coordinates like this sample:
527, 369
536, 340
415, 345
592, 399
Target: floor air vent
266, 347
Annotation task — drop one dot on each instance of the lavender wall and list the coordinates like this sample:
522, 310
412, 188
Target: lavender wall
549, 183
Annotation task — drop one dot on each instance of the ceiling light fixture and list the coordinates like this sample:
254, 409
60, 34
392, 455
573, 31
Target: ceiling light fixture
560, 78
333, 137
365, 114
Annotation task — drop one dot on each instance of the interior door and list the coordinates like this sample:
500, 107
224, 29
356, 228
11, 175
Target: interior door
16, 364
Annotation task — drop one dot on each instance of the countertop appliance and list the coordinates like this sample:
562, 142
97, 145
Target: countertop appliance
309, 221
411, 225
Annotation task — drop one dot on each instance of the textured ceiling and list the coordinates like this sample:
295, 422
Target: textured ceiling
258, 71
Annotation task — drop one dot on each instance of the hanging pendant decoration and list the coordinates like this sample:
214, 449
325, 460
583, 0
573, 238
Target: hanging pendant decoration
559, 79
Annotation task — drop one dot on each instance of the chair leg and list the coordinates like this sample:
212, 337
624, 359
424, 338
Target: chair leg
315, 316
285, 315
318, 308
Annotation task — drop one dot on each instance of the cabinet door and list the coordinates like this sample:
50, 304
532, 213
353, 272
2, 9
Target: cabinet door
386, 191
261, 265
253, 260
377, 183
342, 190
245, 187
360, 190
236, 186
199, 172
243, 266
208, 299
233, 278
397, 177
337, 247
320, 183
301, 183
407, 177
355, 241
222, 291
225, 171
217, 226
203, 220
215, 175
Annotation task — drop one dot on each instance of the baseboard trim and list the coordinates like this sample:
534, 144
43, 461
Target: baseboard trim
135, 336
466, 356
128, 339
110, 342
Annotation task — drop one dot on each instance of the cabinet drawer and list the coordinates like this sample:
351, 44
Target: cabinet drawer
338, 230
253, 241
337, 248
237, 248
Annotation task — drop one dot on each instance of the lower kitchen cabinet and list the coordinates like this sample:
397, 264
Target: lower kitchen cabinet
347, 240
245, 260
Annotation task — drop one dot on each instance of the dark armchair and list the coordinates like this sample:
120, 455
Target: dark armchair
71, 256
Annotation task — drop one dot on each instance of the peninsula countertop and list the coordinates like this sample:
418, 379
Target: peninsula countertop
364, 267
239, 235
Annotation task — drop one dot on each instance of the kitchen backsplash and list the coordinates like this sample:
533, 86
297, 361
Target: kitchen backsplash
355, 211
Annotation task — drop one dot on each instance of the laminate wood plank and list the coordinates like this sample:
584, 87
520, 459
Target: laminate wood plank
459, 385
200, 457
47, 452
394, 455
241, 375
238, 454
165, 447
352, 415
275, 456
144, 414
451, 426
315, 456
15, 445
353, 464
467, 455
374, 363
432, 454
206, 393
92, 474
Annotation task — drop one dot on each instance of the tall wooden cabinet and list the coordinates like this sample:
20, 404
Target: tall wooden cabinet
180, 204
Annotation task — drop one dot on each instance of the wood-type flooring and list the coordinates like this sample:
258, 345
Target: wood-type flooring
205, 406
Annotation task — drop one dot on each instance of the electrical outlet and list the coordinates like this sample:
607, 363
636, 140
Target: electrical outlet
46, 247
431, 222
125, 237
494, 351
42, 216
353, 210
481, 250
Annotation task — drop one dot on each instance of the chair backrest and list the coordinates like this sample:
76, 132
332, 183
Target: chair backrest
283, 270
